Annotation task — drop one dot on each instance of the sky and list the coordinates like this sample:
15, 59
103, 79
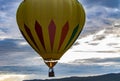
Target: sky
99, 13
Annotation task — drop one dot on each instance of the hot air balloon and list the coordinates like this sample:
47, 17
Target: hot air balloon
50, 27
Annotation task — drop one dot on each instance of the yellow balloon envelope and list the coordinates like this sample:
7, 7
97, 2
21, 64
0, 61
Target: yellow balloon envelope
50, 26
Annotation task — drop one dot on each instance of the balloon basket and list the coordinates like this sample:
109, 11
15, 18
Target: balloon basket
51, 63
51, 72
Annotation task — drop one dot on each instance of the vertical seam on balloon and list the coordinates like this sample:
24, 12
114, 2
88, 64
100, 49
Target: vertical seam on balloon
30, 35
39, 32
63, 34
73, 35
52, 31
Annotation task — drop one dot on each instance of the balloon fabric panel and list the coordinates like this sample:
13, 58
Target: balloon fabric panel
52, 31
39, 33
63, 34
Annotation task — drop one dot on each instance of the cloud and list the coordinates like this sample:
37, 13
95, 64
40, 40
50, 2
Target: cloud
17, 58
99, 61
10, 45
105, 3
106, 7
100, 14
13, 53
8, 18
